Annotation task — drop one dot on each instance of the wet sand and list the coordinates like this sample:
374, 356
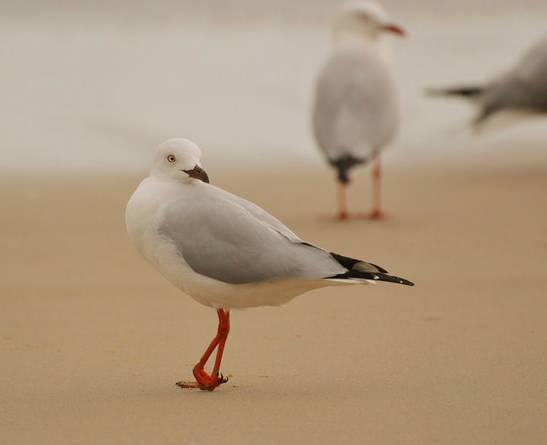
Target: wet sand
92, 339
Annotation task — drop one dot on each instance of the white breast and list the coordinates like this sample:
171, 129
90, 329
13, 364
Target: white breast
142, 211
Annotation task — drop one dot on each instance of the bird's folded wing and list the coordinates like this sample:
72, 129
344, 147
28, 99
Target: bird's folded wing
262, 216
222, 239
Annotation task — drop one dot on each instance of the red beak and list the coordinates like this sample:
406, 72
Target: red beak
395, 29
197, 173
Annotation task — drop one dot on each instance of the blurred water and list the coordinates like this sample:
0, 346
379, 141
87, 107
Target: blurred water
88, 93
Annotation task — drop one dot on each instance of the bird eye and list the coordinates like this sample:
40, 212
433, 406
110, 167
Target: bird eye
171, 158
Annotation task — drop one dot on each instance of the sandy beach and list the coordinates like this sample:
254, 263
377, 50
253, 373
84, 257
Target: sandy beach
93, 340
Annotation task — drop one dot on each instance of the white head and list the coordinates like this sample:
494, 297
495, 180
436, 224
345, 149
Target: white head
179, 159
365, 19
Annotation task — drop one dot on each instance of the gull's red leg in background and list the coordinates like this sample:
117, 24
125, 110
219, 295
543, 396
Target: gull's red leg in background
342, 201
376, 212
211, 381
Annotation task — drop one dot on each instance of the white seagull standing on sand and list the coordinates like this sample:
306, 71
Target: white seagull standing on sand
357, 109
223, 251
521, 92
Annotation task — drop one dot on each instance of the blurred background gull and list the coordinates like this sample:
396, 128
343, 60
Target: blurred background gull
85, 83
92, 339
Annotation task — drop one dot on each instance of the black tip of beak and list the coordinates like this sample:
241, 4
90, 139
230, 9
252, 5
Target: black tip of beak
198, 173
205, 177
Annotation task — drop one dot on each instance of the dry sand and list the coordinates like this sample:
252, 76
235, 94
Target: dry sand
92, 339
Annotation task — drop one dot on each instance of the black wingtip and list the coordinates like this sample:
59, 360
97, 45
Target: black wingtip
392, 279
464, 91
372, 276
405, 282
358, 269
343, 165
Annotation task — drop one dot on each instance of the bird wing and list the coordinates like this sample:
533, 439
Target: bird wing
533, 66
356, 109
522, 88
229, 239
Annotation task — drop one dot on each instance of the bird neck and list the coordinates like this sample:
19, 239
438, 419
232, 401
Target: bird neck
352, 41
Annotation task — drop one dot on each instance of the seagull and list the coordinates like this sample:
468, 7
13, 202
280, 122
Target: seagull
518, 93
225, 252
357, 111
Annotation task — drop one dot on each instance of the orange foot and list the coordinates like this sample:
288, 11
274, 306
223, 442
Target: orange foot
339, 217
374, 215
204, 381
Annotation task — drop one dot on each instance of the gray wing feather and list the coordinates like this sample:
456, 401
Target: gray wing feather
234, 241
263, 217
356, 108
524, 87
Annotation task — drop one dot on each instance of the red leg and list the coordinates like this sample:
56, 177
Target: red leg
223, 331
342, 199
376, 212
342, 202
210, 381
